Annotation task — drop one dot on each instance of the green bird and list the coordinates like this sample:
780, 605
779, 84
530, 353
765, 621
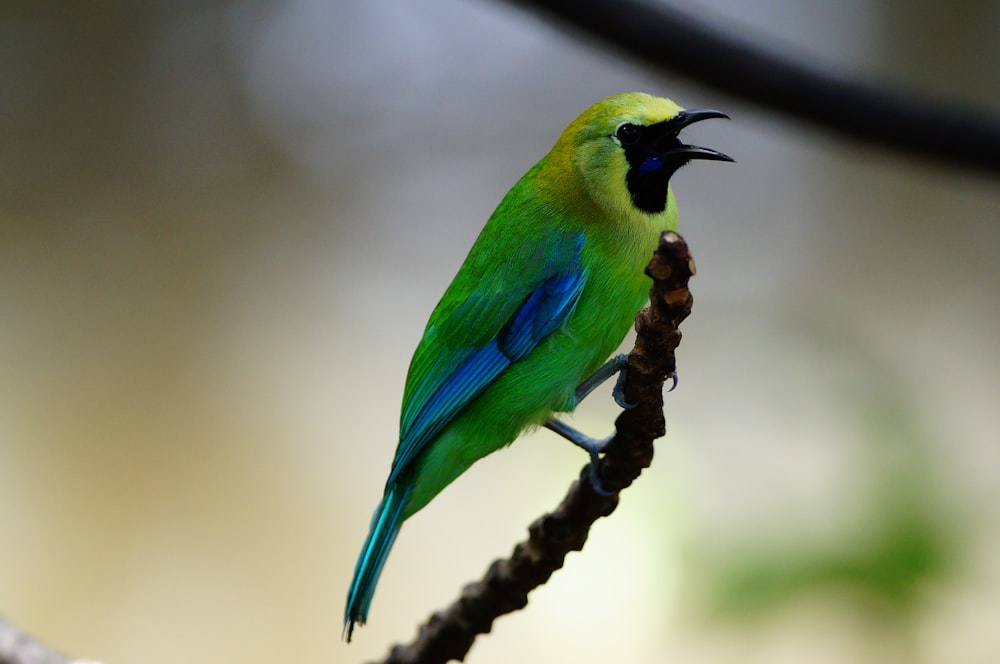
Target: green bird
548, 291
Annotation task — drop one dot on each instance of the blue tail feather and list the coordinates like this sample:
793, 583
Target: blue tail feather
385, 526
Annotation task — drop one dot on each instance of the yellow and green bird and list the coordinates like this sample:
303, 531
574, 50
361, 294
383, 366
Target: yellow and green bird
548, 291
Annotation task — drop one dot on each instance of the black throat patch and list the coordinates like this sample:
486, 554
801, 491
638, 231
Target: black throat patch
652, 160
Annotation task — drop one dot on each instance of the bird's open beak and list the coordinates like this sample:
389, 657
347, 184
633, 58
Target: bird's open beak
685, 118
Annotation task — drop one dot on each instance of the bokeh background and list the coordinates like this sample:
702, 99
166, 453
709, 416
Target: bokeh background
222, 227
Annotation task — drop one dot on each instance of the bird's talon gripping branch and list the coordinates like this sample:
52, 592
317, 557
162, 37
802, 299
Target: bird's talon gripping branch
607, 370
595, 477
619, 392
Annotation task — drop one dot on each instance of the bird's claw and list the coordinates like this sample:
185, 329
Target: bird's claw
673, 378
595, 476
619, 392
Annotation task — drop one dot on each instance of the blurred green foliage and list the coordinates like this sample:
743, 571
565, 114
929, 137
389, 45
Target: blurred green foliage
887, 556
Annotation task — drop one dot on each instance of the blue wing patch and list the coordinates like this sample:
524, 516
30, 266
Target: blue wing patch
541, 312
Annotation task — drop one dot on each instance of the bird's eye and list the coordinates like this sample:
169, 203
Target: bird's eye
627, 133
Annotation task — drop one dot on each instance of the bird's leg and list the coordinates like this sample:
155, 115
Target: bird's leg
607, 370
593, 446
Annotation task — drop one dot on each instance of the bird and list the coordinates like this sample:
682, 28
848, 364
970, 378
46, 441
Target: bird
546, 294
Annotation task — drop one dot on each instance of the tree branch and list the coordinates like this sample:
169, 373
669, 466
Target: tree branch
16, 647
847, 105
449, 634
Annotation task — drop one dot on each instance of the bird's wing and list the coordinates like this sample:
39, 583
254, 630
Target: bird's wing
481, 327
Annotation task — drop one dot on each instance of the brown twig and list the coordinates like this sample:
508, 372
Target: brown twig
449, 634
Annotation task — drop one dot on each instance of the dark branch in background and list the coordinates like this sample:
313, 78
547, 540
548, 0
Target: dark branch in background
16, 647
867, 111
504, 589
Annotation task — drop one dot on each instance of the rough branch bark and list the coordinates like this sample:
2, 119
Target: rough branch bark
449, 634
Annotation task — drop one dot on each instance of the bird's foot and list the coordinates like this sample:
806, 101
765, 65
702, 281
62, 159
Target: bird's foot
619, 392
607, 370
593, 446
672, 376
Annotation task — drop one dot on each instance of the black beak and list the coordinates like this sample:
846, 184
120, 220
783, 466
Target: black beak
654, 153
685, 118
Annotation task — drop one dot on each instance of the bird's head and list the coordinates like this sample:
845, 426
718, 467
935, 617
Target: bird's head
626, 148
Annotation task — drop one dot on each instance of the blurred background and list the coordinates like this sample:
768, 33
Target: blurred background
222, 228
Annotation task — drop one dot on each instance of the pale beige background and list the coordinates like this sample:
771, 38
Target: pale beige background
222, 227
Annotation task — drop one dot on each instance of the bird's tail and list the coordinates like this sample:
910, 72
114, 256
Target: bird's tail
381, 535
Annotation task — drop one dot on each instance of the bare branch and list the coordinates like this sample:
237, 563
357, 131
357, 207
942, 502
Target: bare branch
845, 104
449, 634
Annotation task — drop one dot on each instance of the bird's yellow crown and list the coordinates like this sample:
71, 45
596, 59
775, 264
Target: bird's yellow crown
622, 151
